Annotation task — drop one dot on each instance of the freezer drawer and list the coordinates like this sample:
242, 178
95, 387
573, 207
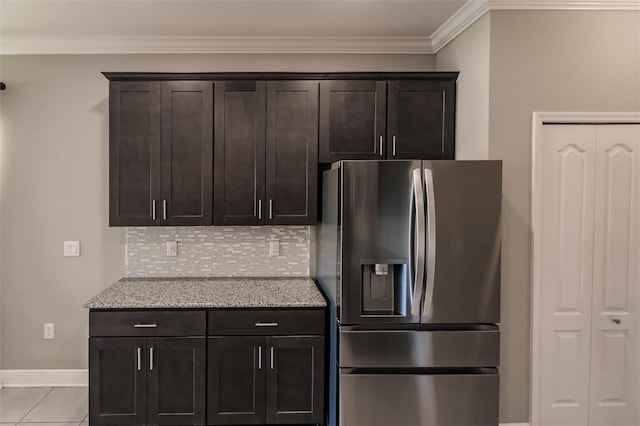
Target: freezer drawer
418, 348
418, 400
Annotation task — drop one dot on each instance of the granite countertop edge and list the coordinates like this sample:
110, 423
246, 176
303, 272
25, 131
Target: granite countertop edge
209, 293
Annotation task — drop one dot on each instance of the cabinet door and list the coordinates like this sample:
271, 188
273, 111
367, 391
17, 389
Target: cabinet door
236, 380
134, 153
176, 380
117, 375
421, 118
292, 152
239, 152
295, 379
352, 120
187, 153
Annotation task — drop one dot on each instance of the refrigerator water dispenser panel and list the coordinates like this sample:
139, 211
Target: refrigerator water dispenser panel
384, 287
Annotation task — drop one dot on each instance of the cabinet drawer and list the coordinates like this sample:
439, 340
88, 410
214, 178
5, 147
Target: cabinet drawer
147, 323
266, 322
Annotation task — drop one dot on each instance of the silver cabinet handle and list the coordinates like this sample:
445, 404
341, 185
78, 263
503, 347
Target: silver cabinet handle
259, 357
271, 357
139, 361
164, 209
154, 325
259, 209
151, 359
418, 279
393, 146
380, 145
153, 209
431, 236
270, 209
266, 324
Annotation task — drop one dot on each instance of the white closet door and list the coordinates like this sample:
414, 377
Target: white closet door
568, 166
615, 360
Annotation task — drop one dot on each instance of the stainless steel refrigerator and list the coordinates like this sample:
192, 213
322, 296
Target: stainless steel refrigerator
409, 257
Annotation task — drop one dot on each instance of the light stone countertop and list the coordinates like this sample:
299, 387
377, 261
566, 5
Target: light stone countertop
170, 293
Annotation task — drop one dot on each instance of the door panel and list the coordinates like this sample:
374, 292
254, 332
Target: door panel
614, 398
466, 256
295, 380
567, 273
418, 400
236, 380
176, 381
376, 229
134, 152
118, 387
352, 120
187, 152
292, 152
421, 118
240, 109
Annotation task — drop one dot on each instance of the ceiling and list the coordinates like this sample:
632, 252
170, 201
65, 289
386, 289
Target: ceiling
250, 26
51, 26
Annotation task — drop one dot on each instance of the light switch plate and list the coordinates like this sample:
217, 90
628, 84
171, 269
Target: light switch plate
72, 248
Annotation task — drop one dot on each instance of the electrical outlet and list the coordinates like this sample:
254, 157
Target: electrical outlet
172, 248
274, 248
48, 330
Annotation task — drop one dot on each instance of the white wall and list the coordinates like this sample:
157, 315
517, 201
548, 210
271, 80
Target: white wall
469, 53
54, 186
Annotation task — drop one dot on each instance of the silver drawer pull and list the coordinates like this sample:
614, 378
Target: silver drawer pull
266, 324
145, 325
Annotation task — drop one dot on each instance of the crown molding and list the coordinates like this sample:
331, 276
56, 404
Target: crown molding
564, 4
228, 45
466, 16
473, 10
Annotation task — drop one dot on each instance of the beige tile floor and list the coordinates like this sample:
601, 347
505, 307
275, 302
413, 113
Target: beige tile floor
44, 406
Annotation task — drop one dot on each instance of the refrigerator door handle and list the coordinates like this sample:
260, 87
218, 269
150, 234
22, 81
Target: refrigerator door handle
419, 241
431, 244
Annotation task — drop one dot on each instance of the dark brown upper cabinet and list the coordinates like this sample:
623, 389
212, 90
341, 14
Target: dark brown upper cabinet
362, 120
292, 152
161, 153
421, 120
239, 182
266, 152
353, 120
134, 152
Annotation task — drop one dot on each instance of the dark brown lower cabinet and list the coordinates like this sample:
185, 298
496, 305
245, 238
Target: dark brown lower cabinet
265, 380
147, 380
117, 378
295, 379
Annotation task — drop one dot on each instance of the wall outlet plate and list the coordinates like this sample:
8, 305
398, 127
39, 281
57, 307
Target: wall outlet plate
172, 248
274, 248
48, 330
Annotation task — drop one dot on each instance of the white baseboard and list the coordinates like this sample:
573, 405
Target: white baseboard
43, 378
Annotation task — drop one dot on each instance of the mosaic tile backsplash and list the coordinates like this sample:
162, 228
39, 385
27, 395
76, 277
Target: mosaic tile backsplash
220, 251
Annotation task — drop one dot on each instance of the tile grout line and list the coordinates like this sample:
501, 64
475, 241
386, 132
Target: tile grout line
35, 405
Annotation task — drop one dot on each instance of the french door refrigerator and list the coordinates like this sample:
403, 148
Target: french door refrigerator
409, 257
